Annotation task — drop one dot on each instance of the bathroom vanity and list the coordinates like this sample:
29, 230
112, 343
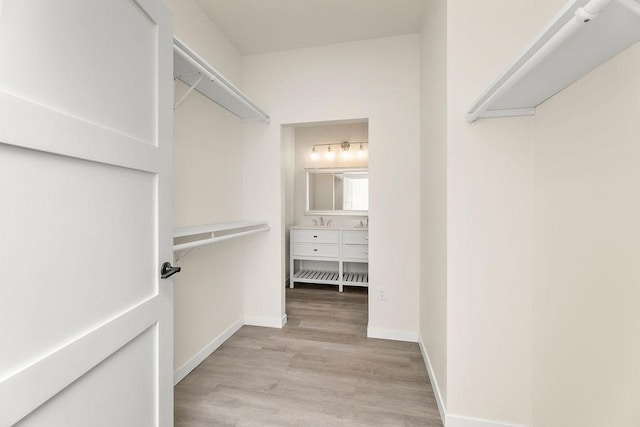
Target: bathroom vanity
329, 256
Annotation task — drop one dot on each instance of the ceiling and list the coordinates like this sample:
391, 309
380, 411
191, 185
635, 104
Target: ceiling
260, 26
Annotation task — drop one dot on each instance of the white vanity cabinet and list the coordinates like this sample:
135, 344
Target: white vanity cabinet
329, 256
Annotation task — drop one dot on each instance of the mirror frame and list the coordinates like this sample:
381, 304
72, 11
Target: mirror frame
308, 171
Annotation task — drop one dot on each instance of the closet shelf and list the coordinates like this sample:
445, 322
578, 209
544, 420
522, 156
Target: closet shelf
198, 235
584, 35
199, 75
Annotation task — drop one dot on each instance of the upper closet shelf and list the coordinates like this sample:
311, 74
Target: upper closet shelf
198, 235
195, 72
584, 35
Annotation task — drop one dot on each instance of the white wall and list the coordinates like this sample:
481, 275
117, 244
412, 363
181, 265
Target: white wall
374, 79
542, 232
208, 188
433, 193
489, 220
586, 302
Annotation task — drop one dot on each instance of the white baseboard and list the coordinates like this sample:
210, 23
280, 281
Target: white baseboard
392, 334
451, 420
460, 421
191, 364
434, 382
267, 322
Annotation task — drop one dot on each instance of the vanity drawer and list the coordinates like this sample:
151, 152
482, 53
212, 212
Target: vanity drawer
355, 251
355, 237
316, 249
316, 236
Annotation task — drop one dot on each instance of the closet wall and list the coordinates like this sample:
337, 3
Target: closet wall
586, 298
433, 192
375, 79
542, 231
208, 188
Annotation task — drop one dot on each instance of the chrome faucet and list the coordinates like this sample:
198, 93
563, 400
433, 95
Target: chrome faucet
315, 223
329, 223
321, 222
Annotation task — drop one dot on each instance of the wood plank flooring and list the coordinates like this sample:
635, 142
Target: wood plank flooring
319, 370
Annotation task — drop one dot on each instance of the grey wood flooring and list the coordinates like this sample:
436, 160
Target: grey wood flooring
319, 370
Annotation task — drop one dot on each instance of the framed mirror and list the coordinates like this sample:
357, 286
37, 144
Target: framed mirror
342, 191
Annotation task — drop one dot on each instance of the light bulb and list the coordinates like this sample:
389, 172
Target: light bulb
361, 152
314, 154
346, 155
330, 155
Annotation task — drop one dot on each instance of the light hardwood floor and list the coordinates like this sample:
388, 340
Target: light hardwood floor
319, 370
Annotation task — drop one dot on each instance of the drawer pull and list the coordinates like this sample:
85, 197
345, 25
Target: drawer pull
366, 238
315, 237
315, 250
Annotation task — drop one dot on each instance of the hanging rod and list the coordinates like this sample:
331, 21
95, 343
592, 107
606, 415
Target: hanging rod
206, 234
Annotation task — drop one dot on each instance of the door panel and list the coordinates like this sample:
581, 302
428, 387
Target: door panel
106, 77
103, 269
85, 218
89, 400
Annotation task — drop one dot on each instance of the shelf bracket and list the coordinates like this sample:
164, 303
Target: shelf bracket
188, 92
180, 258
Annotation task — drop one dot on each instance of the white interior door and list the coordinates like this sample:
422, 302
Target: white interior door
85, 213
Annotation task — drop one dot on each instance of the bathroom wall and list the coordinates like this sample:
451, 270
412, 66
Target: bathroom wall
305, 138
208, 188
376, 80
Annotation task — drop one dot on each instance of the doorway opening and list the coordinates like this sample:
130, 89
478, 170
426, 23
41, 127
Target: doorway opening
326, 214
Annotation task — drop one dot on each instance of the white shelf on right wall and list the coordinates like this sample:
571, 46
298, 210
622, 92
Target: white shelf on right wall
584, 35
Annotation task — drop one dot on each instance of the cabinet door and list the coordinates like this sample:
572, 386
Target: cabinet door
355, 237
85, 169
355, 252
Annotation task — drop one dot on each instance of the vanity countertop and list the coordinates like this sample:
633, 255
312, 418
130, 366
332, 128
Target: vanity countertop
324, 227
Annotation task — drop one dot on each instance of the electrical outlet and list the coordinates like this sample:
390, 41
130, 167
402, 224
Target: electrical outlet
382, 294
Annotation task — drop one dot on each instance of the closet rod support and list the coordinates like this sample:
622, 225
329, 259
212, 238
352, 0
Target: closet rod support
193, 86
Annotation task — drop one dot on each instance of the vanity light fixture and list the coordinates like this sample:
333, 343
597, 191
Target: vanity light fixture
330, 155
345, 150
346, 154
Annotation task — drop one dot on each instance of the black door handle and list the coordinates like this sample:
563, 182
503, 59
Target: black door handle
167, 270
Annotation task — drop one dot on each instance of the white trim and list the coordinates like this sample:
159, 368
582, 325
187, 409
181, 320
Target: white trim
192, 363
434, 382
266, 322
460, 421
392, 334
452, 420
